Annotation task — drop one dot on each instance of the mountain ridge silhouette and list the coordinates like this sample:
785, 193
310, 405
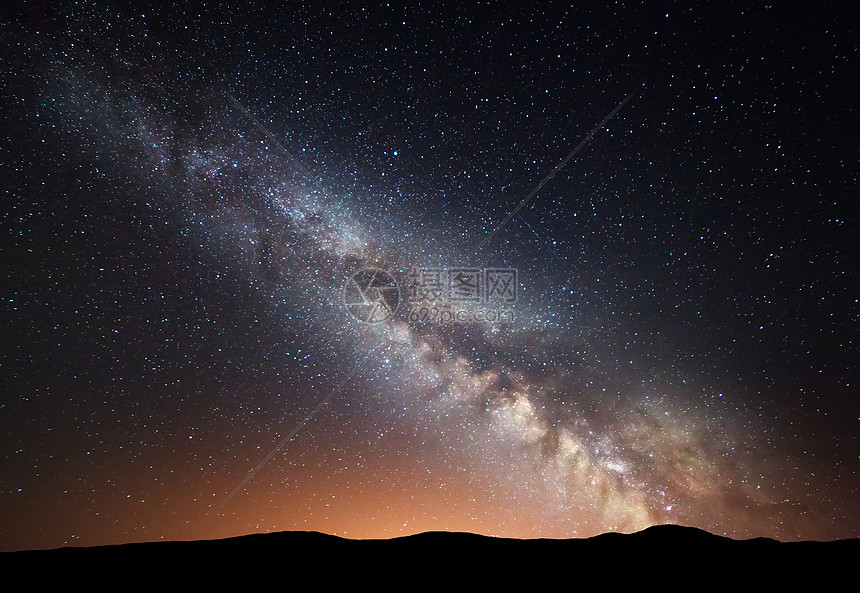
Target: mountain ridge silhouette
689, 553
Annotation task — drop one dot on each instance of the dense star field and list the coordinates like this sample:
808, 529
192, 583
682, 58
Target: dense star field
188, 190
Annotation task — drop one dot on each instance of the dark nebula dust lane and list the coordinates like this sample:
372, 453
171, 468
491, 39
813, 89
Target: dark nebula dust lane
644, 218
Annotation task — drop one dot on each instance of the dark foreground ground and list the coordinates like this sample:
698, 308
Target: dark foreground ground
308, 560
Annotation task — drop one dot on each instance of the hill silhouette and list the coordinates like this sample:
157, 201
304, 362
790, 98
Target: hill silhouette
668, 550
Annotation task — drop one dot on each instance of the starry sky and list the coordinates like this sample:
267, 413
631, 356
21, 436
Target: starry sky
187, 189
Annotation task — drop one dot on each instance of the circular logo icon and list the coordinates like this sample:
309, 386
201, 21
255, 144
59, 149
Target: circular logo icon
371, 295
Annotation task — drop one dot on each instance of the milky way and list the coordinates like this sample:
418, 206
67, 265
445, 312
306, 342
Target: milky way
185, 205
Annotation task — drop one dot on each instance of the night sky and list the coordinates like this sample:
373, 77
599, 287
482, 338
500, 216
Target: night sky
187, 190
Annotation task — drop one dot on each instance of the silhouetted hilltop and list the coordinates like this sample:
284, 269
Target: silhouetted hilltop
669, 549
